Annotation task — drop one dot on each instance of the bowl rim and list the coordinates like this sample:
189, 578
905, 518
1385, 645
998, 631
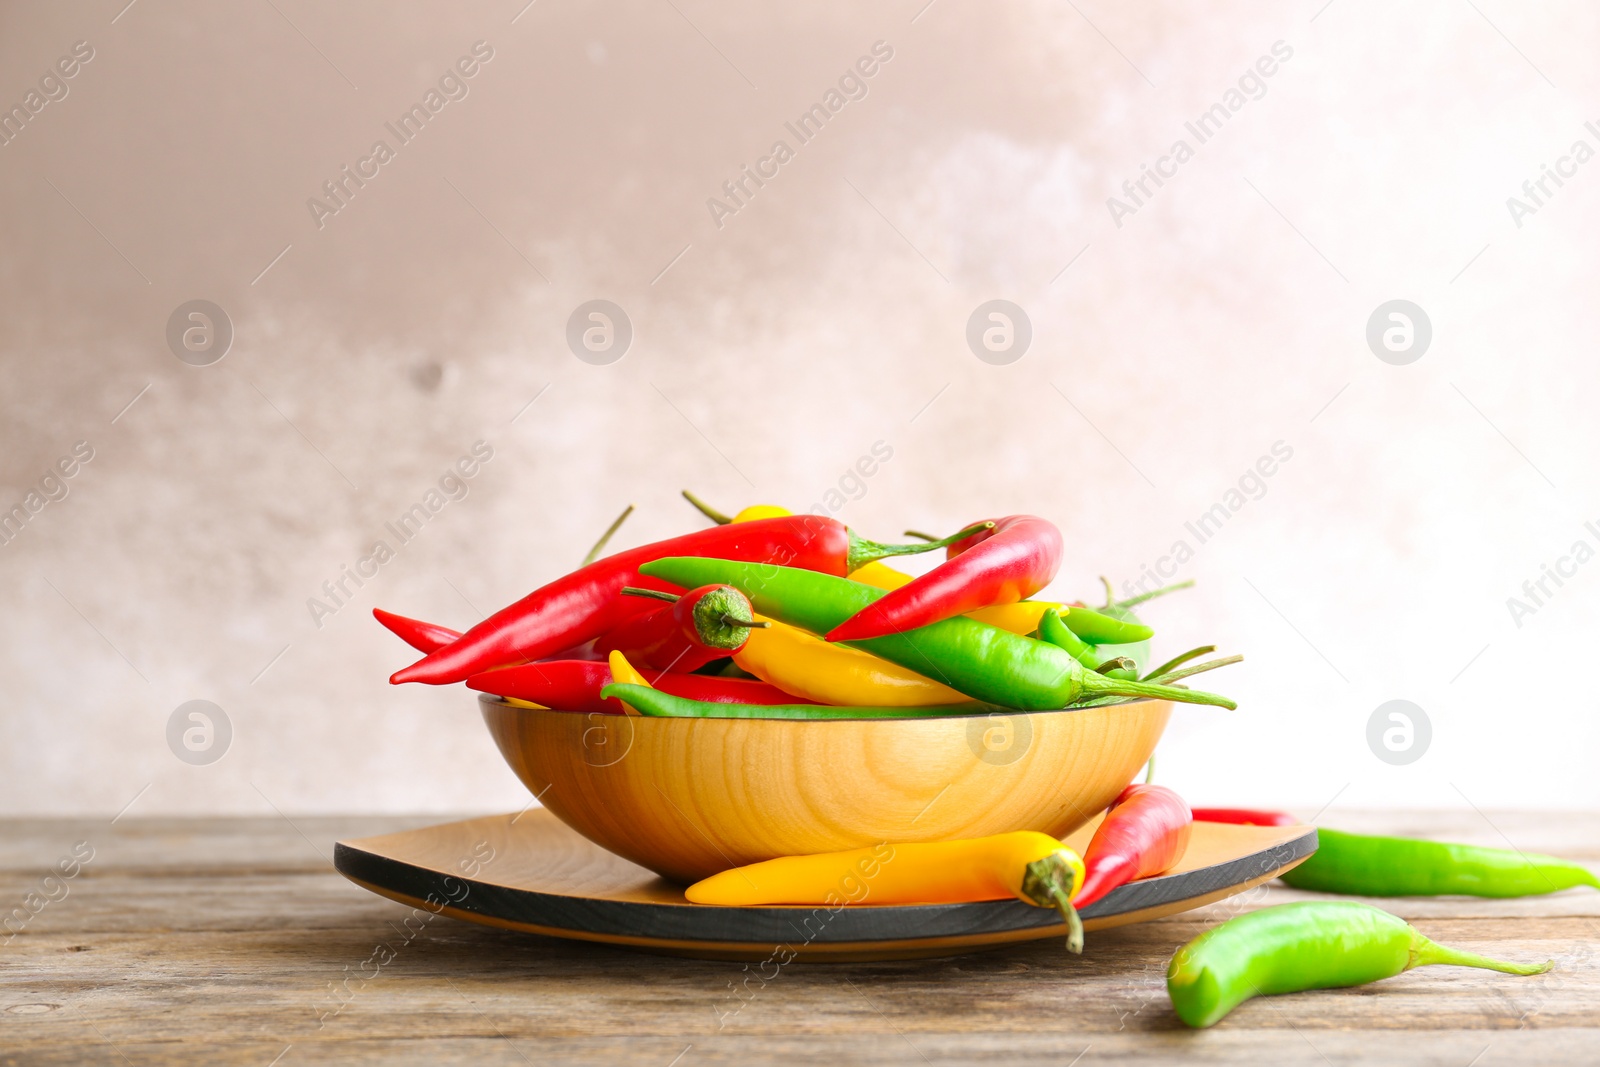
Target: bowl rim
490, 700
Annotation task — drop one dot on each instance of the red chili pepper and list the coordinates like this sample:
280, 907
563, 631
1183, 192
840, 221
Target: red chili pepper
422, 636
655, 640
1143, 835
1014, 559
1245, 817
581, 606
574, 685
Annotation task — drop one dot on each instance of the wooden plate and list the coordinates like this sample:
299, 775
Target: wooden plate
531, 872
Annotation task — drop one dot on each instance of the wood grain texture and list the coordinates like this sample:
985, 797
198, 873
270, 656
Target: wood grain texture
690, 797
218, 942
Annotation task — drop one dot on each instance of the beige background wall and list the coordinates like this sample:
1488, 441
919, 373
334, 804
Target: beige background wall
828, 314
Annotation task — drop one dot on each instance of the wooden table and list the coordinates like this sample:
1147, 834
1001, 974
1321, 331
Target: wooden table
219, 941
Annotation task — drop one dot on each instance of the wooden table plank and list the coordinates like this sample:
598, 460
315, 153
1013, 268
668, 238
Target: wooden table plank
220, 940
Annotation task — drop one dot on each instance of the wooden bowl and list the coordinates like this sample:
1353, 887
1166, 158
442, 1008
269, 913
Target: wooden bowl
690, 797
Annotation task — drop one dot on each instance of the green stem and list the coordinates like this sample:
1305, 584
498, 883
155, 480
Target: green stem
729, 620
1101, 685
1048, 883
707, 510
670, 598
1178, 661
1110, 596
594, 553
1074, 922
863, 552
919, 533
1425, 952
1199, 668
1150, 770
1142, 597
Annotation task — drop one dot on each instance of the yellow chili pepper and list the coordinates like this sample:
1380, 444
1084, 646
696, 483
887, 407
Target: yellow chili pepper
622, 671
761, 511
1031, 866
1020, 617
807, 666
874, 574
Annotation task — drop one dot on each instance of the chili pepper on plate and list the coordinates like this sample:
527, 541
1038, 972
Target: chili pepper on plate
583, 605
986, 663
1032, 867
1310, 945
1012, 559
1246, 817
575, 685
1362, 865
1144, 834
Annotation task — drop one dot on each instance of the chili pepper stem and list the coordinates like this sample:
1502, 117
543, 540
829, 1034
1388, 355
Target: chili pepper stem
1142, 597
1425, 952
1177, 661
707, 510
863, 552
919, 534
599, 546
1042, 884
1199, 668
654, 594
1100, 685
729, 620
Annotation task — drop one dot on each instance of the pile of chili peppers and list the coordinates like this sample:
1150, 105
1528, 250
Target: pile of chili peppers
775, 615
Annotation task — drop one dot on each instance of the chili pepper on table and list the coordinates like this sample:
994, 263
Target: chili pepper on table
1360, 865
1144, 834
1009, 561
581, 606
574, 685
1309, 945
1030, 866
1246, 817
982, 661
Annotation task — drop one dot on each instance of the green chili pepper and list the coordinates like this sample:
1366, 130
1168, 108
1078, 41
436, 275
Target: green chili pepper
1404, 867
1293, 947
1053, 628
1136, 649
984, 662
655, 703
1109, 626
